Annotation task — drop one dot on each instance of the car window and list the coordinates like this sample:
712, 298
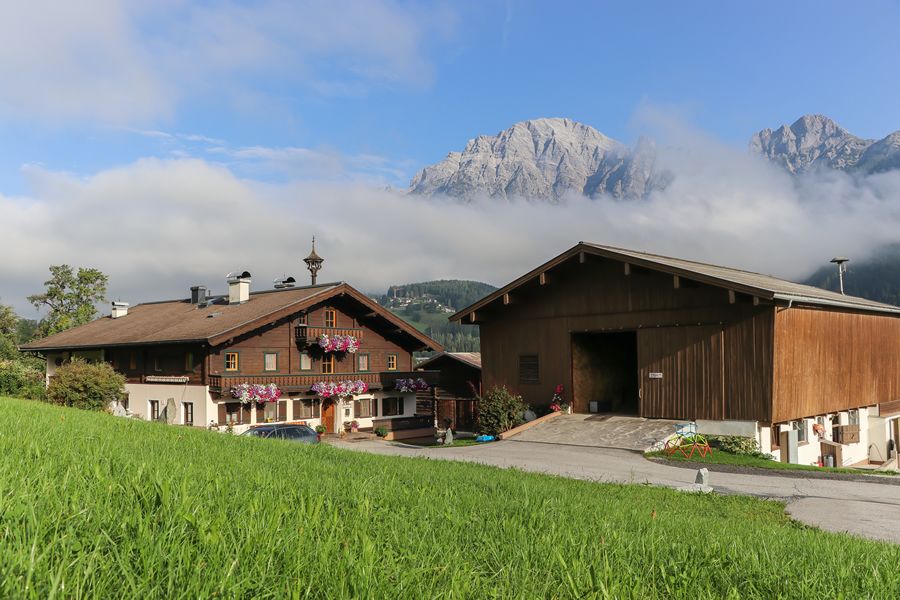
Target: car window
292, 433
256, 433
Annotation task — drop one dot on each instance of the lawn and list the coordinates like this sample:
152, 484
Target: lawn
96, 506
727, 458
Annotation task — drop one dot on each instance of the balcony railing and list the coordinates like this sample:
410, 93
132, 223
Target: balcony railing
304, 334
301, 382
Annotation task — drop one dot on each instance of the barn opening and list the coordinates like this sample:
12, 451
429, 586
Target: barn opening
605, 373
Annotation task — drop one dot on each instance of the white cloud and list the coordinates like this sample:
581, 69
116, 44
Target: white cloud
128, 62
158, 226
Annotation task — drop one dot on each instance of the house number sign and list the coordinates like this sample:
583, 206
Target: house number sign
655, 375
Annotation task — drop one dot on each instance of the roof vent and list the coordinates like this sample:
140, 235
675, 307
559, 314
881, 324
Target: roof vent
238, 287
285, 282
119, 309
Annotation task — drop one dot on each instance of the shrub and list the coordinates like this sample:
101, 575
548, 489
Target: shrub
320, 429
499, 411
736, 444
86, 385
19, 378
381, 431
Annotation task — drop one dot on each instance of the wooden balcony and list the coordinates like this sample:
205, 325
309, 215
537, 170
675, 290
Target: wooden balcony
305, 335
301, 382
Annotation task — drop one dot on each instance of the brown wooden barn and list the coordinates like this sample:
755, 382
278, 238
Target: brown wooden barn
660, 337
454, 397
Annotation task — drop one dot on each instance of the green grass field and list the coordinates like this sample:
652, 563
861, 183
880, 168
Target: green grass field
727, 458
95, 506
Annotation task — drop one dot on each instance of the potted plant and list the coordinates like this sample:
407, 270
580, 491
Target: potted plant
320, 429
354, 426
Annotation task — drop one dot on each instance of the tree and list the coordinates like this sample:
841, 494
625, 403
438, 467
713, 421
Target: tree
70, 298
9, 335
91, 386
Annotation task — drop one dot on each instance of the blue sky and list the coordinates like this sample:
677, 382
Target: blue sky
462, 69
172, 114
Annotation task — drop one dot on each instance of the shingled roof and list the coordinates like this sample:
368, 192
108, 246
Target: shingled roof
179, 321
471, 359
747, 282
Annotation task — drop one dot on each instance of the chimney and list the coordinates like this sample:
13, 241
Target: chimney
198, 294
238, 287
119, 309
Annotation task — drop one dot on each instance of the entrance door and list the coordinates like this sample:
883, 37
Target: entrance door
328, 417
605, 373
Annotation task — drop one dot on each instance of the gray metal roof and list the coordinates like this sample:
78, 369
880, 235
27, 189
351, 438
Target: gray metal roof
758, 284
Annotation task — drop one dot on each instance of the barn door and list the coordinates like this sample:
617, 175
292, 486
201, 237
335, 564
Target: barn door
680, 371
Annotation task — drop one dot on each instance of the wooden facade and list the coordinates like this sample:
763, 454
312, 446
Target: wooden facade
631, 338
453, 398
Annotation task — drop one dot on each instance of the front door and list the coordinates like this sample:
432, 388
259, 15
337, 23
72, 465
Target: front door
328, 416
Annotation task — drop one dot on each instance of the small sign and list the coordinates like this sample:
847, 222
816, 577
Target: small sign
655, 375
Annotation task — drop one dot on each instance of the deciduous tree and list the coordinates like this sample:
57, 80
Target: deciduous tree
70, 297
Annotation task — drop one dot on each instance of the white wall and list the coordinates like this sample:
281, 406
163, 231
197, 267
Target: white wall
810, 452
140, 394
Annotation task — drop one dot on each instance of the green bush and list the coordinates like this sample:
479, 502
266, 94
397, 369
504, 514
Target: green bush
499, 411
736, 444
381, 431
91, 386
21, 379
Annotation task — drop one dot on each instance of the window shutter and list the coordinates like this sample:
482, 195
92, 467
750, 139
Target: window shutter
529, 369
282, 410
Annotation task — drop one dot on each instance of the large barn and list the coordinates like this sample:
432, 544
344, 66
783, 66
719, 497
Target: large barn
804, 370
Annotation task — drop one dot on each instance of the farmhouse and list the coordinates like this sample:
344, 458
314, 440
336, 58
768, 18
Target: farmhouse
807, 372
454, 396
321, 354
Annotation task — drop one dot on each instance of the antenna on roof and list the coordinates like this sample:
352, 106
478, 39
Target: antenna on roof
841, 263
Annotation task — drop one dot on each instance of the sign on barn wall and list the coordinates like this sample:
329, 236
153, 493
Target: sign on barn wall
655, 375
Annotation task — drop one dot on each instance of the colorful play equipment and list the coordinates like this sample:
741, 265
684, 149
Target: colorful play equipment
687, 441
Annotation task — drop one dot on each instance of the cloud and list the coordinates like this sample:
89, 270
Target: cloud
128, 62
158, 226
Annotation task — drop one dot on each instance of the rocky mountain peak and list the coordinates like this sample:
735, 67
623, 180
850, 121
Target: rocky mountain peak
811, 142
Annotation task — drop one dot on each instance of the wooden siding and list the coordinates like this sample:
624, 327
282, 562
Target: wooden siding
734, 363
827, 361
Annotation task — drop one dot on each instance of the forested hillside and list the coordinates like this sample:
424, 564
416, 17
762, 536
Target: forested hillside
876, 279
428, 304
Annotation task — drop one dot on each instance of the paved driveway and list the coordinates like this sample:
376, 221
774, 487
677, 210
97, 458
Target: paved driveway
605, 431
866, 509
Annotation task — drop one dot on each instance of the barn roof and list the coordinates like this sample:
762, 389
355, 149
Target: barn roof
470, 359
179, 321
747, 282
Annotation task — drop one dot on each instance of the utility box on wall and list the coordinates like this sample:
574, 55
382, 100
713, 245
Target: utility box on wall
788, 442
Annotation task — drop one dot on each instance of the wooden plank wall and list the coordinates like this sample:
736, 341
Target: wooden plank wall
828, 361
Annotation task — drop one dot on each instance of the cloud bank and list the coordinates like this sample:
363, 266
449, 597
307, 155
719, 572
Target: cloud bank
158, 226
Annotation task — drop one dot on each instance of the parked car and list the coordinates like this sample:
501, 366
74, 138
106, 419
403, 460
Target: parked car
294, 433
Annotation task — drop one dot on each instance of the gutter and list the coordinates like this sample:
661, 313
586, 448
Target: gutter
790, 298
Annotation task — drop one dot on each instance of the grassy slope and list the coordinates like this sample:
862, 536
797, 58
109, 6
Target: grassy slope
104, 507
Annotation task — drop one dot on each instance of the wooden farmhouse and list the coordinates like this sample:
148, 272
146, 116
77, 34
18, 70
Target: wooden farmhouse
320, 354
807, 372
454, 397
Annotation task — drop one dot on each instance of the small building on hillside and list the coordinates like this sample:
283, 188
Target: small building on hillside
454, 397
320, 354
807, 372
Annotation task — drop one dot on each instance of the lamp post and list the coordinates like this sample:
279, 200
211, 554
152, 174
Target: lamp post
313, 261
841, 263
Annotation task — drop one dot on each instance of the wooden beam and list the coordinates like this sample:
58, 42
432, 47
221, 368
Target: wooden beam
543, 278
732, 297
755, 300
627, 269
582, 257
507, 299
676, 281
472, 317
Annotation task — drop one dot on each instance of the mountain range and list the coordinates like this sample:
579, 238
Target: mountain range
546, 159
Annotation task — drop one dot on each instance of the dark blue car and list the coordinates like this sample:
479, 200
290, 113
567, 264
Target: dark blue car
294, 433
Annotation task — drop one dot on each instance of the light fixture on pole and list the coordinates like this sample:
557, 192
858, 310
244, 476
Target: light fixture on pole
313, 261
841, 263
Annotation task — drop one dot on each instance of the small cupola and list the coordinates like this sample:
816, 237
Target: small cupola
238, 287
119, 309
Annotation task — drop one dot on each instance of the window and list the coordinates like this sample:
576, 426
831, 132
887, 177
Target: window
132, 361
188, 408
328, 364
188, 361
853, 417
231, 361
330, 317
306, 409
391, 407
529, 369
391, 362
232, 413
270, 412
801, 428
362, 409
362, 362
305, 361
270, 360
154, 410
